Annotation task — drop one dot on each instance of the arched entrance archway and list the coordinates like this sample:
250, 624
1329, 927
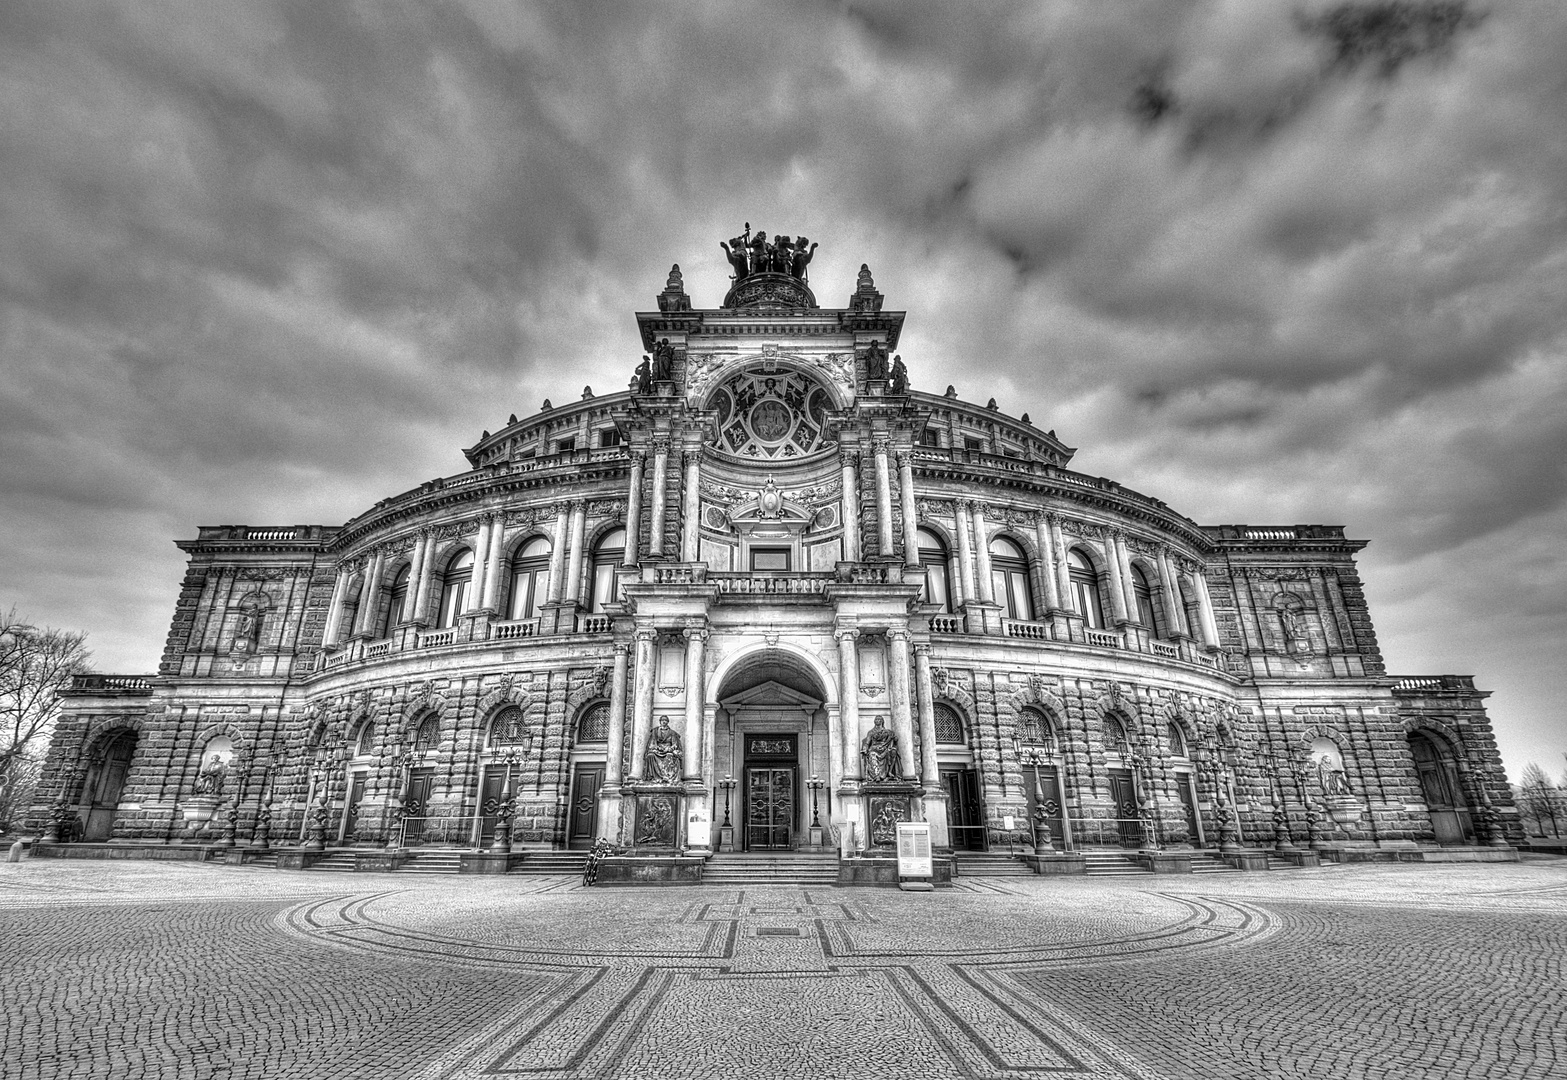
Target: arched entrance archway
1437, 767
105, 784
772, 752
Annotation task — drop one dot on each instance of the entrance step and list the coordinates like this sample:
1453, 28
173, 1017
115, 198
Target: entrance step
553, 862
430, 862
771, 868
267, 859
989, 864
1207, 862
1110, 864
1277, 863
336, 862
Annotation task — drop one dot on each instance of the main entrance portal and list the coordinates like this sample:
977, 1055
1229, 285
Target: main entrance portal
770, 796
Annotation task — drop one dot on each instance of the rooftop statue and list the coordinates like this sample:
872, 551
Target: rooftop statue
748, 254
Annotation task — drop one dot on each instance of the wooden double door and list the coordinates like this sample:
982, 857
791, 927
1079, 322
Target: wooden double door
1044, 792
105, 784
1123, 793
965, 808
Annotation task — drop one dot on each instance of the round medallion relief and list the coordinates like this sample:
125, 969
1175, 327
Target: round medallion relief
770, 420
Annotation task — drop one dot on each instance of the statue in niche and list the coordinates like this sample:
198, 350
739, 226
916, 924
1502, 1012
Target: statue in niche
210, 778
876, 362
663, 361
644, 376
1330, 776
899, 380
665, 759
879, 754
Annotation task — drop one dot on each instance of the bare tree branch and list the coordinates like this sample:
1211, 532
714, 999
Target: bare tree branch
36, 665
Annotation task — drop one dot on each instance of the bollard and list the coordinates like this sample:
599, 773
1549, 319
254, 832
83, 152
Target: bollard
16, 852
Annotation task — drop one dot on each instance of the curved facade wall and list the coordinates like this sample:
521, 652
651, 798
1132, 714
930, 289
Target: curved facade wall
772, 597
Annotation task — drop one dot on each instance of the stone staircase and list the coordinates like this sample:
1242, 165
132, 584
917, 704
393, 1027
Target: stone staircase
430, 862
990, 864
1110, 864
1277, 863
540, 863
1210, 862
336, 862
733, 868
267, 860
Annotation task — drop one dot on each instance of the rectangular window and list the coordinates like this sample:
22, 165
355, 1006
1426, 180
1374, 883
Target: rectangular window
975, 445
930, 438
566, 446
763, 559
936, 586
610, 437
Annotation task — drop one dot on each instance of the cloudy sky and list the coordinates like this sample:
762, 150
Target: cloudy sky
1273, 263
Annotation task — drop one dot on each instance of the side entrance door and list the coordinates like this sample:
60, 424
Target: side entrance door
586, 779
489, 802
356, 795
769, 807
1124, 795
105, 785
1183, 787
416, 805
1050, 784
965, 810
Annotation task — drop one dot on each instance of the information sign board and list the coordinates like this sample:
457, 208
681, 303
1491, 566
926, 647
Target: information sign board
914, 850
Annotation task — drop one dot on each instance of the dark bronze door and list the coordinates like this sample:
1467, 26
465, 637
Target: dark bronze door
965, 810
416, 805
105, 785
585, 783
489, 802
356, 795
1183, 787
769, 806
1124, 795
1055, 809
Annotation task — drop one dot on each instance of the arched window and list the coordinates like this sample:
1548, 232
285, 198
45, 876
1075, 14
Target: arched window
428, 737
1177, 741
508, 729
1009, 578
593, 726
933, 560
1116, 740
364, 745
1085, 589
530, 578
949, 725
1188, 607
454, 589
607, 557
1142, 597
1035, 729
396, 600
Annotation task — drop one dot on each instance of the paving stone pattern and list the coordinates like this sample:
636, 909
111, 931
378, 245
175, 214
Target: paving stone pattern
178, 970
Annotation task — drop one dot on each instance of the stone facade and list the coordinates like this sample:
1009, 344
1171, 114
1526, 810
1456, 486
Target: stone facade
773, 544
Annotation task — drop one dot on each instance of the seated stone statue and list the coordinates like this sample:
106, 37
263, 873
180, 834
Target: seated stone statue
209, 781
879, 754
665, 758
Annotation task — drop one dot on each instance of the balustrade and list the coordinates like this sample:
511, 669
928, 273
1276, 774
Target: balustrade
774, 584
1168, 651
946, 624
593, 624
1020, 628
433, 638
376, 649
516, 628
1105, 639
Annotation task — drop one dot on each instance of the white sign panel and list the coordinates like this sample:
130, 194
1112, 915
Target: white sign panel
914, 850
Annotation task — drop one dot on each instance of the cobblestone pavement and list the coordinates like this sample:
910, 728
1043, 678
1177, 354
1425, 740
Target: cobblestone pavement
143, 969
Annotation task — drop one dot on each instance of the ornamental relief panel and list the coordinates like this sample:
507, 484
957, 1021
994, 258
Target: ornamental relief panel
774, 415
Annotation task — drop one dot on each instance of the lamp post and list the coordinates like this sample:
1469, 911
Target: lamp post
505, 806
1147, 820
1031, 756
1282, 840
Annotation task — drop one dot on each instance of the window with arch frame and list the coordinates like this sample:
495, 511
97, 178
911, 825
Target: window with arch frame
608, 554
1142, 598
507, 728
364, 739
933, 561
1009, 579
455, 583
530, 578
1035, 728
949, 725
1178, 746
1084, 580
428, 735
593, 724
396, 600
1116, 737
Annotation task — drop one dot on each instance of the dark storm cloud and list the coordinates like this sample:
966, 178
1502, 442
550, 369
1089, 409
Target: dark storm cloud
274, 262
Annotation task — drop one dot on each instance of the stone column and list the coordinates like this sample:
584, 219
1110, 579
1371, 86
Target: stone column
911, 540
426, 579
849, 701
696, 637
848, 460
571, 589
492, 572
965, 574
334, 615
982, 582
691, 505
609, 793
634, 510
646, 679
898, 692
1047, 555
1117, 581
415, 576
481, 562
370, 595
1176, 615
1125, 560
883, 499
935, 799
655, 544
1210, 626
558, 553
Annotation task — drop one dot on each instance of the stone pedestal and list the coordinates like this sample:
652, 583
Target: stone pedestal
886, 804
656, 818
876, 868
650, 870
1245, 859
489, 862
1168, 862
199, 808
1057, 863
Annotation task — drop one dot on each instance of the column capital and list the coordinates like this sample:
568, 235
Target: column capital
646, 633
694, 633
637, 457
922, 648
846, 633
849, 459
691, 455
660, 444
897, 633
621, 647
904, 458
881, 444
979, 507
579, 505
